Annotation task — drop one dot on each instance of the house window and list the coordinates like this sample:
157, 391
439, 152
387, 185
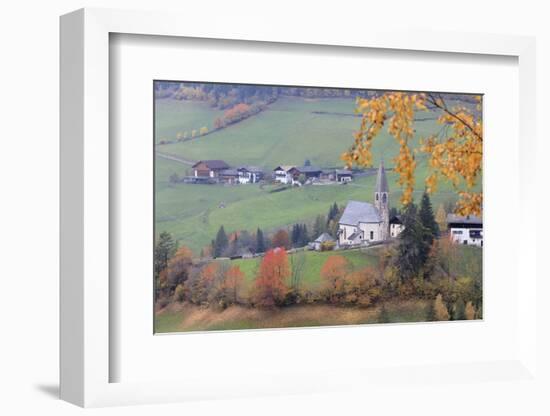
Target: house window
372, 235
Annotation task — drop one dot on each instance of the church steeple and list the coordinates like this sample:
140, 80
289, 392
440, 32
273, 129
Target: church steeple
382, 201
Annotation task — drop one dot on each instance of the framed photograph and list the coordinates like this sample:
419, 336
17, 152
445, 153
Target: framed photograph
282, 215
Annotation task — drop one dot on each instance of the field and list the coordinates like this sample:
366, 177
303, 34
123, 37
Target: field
180, 318
290, 131
313, 261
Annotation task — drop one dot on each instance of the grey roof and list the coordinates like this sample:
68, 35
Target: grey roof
308, 169
459, 219
343, 172
357, 211
213, 164
254, 169
324, 237
229, 172
381, 181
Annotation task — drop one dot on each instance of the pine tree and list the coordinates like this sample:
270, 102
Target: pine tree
319, 226
260, 241
220, 245
459, 313
427, 218
164, 249
413, 249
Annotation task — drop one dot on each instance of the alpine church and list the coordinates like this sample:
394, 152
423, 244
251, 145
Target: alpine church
363, 222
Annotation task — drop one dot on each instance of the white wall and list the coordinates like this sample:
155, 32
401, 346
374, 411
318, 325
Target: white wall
29, 172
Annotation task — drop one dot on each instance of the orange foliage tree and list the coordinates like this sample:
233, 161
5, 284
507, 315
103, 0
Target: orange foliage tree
271, 287
281, 239
232, 284
455, 153
334, 273
178, 266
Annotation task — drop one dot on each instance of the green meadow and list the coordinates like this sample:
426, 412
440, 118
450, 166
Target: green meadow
288, 132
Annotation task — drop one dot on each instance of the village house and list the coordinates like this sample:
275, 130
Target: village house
309, 172
396, 226
209, 168
249, 174
324, 240
343, 175
230, 176
362, 222
466, 230
283, 174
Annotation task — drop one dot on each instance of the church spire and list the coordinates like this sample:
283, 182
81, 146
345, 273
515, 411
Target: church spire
381, 181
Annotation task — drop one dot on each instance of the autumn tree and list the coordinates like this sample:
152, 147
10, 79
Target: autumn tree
270, 286
203, 130
232, 284
440, 310
334, 273
199, 285
361, 288
281, 239
454, 154
178, 269
469, 311
441, 218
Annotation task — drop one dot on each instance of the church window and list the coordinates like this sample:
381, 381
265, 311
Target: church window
384, 197
372, 235
377, 197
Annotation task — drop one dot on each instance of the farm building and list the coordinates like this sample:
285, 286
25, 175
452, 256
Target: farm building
229, 175
363, 222
283, 174
396, 226
249, 174
310, 172
323, 239
209, 168
466, 230
343, 175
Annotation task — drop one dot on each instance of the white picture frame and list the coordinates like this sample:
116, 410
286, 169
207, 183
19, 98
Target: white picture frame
85, 209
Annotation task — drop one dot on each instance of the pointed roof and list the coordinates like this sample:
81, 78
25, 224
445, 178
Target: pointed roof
381, 181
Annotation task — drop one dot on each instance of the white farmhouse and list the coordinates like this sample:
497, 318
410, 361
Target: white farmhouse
363, 222
249, 174
283, 174
466, 230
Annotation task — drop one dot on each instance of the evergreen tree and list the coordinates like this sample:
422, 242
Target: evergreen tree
260, 241
220, 245
413, 249
164, 249
319, 226
427, 219
459, 312
304, 236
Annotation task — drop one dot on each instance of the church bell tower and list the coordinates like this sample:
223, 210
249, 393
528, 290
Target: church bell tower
382, 201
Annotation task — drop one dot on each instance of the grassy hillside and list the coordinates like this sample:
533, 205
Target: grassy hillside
313, 263
177, 116
287, 133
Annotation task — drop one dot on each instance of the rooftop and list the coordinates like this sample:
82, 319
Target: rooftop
357, 211
324, 237
459, 219
213, 164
